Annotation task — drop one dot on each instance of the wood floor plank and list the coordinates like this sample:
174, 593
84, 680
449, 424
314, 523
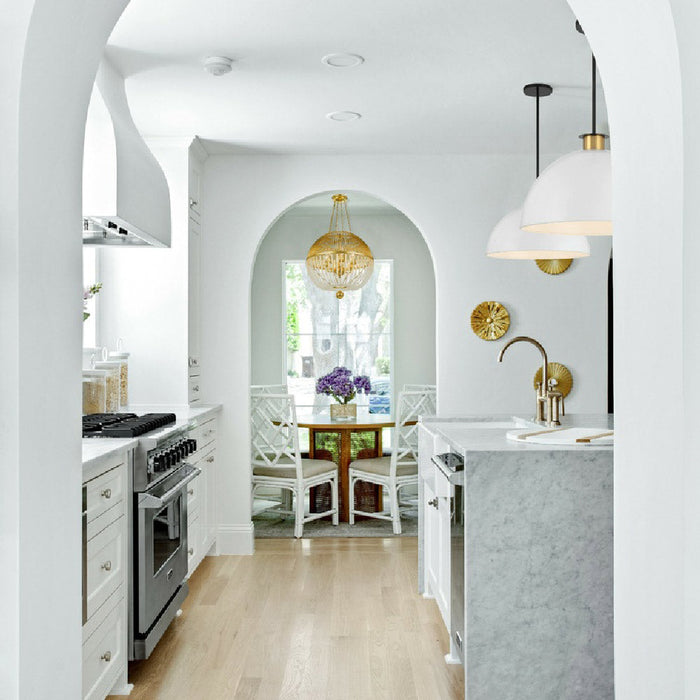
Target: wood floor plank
326, 619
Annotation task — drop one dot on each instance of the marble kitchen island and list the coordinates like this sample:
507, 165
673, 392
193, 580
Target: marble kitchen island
537, 554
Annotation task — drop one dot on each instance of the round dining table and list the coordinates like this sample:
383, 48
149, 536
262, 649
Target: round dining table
343, 442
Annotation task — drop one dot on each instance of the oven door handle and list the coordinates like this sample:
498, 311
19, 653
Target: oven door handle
148, 501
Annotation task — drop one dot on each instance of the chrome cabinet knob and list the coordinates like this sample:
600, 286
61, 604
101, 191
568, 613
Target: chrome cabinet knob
107, 566
107, 493
190, 551
107, 656
193, 203
190, 492
195, 388
210, 459
433, 502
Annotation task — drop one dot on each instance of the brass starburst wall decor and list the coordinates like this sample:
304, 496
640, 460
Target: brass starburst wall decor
561, 376
490, 320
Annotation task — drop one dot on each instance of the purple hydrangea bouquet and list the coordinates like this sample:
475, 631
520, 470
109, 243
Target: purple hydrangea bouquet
342, 386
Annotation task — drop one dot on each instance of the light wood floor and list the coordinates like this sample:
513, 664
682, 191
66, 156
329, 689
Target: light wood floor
315, 619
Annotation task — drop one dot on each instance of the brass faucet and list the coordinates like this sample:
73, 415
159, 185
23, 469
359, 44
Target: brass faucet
547, 400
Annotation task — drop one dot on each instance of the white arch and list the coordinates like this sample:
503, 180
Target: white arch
329, 192
49, 59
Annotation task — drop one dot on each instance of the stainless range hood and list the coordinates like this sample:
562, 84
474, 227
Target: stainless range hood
126, 201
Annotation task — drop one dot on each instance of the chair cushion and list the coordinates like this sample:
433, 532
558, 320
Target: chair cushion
381, 466
309, 467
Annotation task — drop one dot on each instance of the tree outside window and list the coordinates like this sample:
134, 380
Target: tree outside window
323, 332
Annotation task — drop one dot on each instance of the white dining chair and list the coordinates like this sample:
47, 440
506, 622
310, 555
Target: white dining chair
419, 387
268, 389
276, 460
401, 468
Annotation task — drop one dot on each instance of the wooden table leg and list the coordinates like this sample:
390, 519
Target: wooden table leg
379, 491
343, 478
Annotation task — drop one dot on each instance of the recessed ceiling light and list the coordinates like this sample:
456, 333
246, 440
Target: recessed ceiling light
217, 65
342, 60
343, 116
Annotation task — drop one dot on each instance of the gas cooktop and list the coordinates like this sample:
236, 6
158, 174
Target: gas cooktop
124, 425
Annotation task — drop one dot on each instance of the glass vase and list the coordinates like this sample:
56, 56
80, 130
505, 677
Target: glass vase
343, 411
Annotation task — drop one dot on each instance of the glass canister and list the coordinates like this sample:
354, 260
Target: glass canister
123, 359
94, 391
113, 374
89, 354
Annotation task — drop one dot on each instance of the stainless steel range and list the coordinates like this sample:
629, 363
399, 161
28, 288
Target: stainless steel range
160, 477
158, 519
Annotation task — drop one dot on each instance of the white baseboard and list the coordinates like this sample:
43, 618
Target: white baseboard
235, 539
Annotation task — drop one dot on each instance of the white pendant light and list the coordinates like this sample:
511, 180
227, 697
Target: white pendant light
573, 196
507, 241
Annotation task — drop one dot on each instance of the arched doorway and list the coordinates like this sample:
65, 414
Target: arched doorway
386, 330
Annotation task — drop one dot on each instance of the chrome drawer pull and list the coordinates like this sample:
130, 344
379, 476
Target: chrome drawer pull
107, 656
107, 566
107, 493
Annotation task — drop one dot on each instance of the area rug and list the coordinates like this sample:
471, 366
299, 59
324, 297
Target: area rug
269, 525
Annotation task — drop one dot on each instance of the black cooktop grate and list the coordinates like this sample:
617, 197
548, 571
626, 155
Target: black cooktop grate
124, 424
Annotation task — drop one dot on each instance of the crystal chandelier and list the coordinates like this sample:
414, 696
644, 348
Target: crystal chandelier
339, 260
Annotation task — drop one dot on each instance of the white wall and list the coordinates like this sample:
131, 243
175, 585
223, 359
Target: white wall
390, 235
144, 298
50, 53
687, 20
454, 201
635, 47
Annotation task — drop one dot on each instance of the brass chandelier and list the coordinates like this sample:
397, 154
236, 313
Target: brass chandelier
339, 260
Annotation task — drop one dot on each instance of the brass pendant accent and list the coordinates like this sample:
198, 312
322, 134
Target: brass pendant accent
560, 373
554, 267
490, 320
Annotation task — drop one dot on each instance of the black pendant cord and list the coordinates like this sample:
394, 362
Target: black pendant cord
537, 90
537, 137
594, 82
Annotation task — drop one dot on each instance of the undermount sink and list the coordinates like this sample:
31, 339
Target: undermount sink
563, 436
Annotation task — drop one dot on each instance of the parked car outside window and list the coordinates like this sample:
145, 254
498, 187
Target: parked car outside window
380, 397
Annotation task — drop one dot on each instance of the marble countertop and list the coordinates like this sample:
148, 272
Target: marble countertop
462, 433
96, 449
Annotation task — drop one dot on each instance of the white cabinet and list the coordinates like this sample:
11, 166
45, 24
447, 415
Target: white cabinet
194, 179
196, 157
435, 510
105, 574
201, 495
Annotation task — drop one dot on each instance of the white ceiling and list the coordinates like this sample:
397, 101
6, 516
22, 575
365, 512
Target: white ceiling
440, 76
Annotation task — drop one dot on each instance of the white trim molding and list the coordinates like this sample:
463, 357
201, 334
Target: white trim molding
236, 539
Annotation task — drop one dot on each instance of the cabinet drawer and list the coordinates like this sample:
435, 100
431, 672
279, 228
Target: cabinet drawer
194, 489
194, 538
104, 655
207, 435
193, 369
105, 564
194, 390
105, 491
